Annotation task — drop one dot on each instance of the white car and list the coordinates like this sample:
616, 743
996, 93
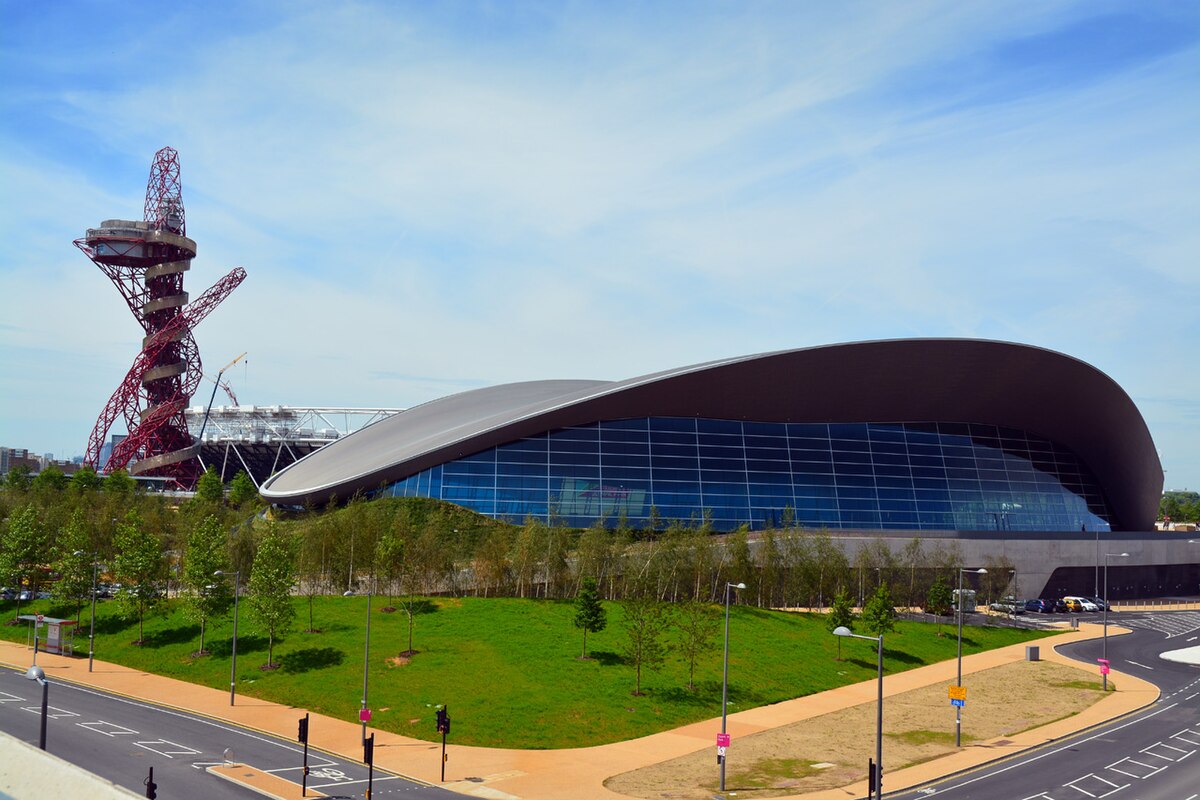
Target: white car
1080, 603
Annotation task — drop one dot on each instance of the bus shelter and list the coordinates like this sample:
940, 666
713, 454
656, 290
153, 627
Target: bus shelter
59, 634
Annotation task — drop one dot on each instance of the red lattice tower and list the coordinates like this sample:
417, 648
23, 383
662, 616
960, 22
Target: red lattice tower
146, 261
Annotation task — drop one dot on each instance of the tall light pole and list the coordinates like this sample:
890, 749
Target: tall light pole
1104, 672
35, 673
877, 788
92, 632
725, 675
237, 577
362, 714
958, 708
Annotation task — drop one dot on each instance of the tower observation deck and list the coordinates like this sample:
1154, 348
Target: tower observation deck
146, 261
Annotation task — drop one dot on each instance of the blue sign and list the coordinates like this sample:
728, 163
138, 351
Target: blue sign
959, 703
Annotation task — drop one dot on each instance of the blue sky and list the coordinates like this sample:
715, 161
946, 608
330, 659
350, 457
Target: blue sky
432, 197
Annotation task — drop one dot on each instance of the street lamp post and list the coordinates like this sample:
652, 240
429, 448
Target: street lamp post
1104, 672
725, 675
362, 714
958, 708
35, 673
877, 788
237, 576
92, 632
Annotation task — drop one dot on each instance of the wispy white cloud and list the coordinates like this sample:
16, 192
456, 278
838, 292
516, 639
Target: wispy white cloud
434, 197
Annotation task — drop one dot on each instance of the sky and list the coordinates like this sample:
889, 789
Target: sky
433, 197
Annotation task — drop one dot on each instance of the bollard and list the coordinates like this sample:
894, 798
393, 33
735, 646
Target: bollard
1032, 652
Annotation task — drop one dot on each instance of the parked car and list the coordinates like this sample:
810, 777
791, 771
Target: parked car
1040, 606
1060, 606
7, 594
1077, 604
1101, 605
1009, 605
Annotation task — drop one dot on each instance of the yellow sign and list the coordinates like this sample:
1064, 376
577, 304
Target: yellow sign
958, 693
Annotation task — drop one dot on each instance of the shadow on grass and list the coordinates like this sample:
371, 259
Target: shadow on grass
311, 658
416, 607
223, 648
679, 695
605, 658
186, 633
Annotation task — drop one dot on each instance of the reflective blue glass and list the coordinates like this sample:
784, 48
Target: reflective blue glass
919, 476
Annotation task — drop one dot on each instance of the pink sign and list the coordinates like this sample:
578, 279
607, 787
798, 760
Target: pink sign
1103, 661
722, 740
364, 715
1104, 669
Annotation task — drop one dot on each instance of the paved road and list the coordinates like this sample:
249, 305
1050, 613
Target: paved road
1151, 755
120, 739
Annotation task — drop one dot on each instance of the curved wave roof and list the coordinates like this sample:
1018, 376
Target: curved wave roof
899, 380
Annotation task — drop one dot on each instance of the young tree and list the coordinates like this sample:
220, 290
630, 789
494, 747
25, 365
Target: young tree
21, 549
646, 623
697, 624
589, 613
85, 479
19, 478
207, 552
139, 566
879, 614
491, 562
118, 482
242, 489
270, 590
841, 615
938, 601
51, 479
74, 563
209, 488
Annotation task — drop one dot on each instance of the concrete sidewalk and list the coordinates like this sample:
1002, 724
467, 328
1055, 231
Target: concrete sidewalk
580, 773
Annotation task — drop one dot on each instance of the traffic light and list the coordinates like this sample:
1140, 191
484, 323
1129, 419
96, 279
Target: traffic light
151, 786
443, 721
872, 780
369, 749
302, 736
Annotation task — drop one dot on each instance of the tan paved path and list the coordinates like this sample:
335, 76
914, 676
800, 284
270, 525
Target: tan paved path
579, 774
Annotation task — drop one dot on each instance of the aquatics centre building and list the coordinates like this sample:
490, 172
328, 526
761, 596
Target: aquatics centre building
928, 434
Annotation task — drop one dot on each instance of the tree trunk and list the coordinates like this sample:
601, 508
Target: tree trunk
201, 635
584, 654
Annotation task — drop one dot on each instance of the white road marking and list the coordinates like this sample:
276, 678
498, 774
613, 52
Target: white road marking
1040, 756
51, 711
162, 751
5, 697
1192, 639
1136, 664
378, 779
1190, 696
121, 730
1147, 750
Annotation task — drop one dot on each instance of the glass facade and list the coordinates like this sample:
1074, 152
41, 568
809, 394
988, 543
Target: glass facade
911, 476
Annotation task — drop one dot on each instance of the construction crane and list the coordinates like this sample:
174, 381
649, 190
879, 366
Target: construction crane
217, 381
225, 384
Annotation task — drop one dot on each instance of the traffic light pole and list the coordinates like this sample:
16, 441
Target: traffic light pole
369, 753
443, 726
304, 738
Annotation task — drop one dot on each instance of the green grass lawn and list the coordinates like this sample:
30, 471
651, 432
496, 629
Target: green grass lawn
507, 668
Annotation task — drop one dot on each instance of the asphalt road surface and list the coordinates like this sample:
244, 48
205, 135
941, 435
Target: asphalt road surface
120, 739
1149, 755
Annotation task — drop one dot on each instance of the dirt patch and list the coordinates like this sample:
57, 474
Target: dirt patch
832, 750
399, 661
